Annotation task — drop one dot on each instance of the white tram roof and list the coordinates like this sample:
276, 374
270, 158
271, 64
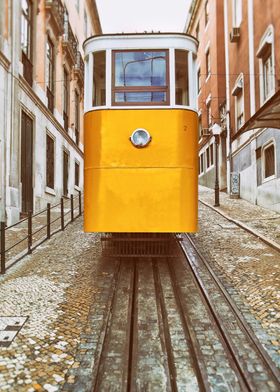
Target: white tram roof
140, 41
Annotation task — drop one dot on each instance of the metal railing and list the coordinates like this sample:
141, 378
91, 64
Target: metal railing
36, 229
79, 66
70, 40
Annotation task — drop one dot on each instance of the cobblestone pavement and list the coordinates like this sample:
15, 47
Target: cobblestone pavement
248, 268
54, 288
264, 221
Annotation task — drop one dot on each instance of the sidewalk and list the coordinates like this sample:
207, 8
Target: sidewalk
260, 220
247, 265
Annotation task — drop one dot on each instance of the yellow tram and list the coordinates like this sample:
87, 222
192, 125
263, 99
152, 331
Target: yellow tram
141, 134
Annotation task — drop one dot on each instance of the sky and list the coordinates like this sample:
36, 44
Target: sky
137, 16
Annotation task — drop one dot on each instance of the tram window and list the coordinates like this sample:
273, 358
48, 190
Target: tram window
181, 75
99, 71
140, 77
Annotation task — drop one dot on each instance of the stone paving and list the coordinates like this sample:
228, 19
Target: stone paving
56, 286
248, 268
54, 289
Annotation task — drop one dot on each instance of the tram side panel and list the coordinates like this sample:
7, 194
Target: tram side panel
151, 189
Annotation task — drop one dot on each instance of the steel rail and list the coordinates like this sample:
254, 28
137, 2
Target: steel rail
97, 376
243, 325
166, 330
197, 356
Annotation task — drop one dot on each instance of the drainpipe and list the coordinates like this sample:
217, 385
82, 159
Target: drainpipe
228, 144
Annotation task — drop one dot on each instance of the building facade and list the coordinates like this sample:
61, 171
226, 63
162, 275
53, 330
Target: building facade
243, 46
205, 22
254, 74
41, 101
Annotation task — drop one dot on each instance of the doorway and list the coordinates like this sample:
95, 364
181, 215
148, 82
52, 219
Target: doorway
26, 163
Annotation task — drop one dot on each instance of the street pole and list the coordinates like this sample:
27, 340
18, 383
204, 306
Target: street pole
217, 186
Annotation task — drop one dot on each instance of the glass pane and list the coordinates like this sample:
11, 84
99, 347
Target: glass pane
181, 75
143, 96
99, 80
140, 68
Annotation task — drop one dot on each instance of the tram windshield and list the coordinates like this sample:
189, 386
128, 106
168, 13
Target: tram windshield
140, 77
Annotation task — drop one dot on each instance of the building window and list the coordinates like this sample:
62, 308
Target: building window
269, 161
268, 77
50, 74
209, 114
211, 154
65, 172
77, 116
199, 127
237, 12
26, 28
238, 92
201, 164
208, 64
77, 174
26, 39
207, 157
198, 81
50, 162
66, 90
239, 109
206, 12
265, 54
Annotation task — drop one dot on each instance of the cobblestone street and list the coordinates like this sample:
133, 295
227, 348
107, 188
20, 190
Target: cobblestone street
58, 287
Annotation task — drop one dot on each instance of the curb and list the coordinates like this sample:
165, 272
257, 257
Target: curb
263, 238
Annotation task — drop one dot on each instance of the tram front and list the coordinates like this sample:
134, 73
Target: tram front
140, 133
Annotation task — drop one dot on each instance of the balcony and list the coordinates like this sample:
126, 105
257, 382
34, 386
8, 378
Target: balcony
79, 67
55, 10
69, 42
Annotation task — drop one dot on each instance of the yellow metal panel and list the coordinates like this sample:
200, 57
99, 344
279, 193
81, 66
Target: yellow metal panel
153, 189
174, 138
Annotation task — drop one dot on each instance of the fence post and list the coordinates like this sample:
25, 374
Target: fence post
80, 203
29, 232
48, 220
72, 208
62, 213
3, 267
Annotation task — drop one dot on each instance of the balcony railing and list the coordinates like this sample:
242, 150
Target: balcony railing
50, 97
27, 69
56, 9
79, 66
69, 41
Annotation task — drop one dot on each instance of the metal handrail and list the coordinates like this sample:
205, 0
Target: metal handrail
29, 237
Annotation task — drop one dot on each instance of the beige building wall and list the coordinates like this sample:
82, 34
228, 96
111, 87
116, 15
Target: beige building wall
33, 108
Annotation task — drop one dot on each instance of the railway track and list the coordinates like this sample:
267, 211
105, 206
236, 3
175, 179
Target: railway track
168, 325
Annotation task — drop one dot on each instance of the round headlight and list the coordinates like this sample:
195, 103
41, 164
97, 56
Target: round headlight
140, 138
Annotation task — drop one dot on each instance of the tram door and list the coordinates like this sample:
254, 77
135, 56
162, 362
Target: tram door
26, 163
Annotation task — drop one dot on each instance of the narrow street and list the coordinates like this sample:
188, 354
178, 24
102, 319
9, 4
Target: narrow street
103, 324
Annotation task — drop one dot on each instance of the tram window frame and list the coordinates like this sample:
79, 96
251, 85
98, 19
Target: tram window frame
99, 90
182, 88
141, 89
